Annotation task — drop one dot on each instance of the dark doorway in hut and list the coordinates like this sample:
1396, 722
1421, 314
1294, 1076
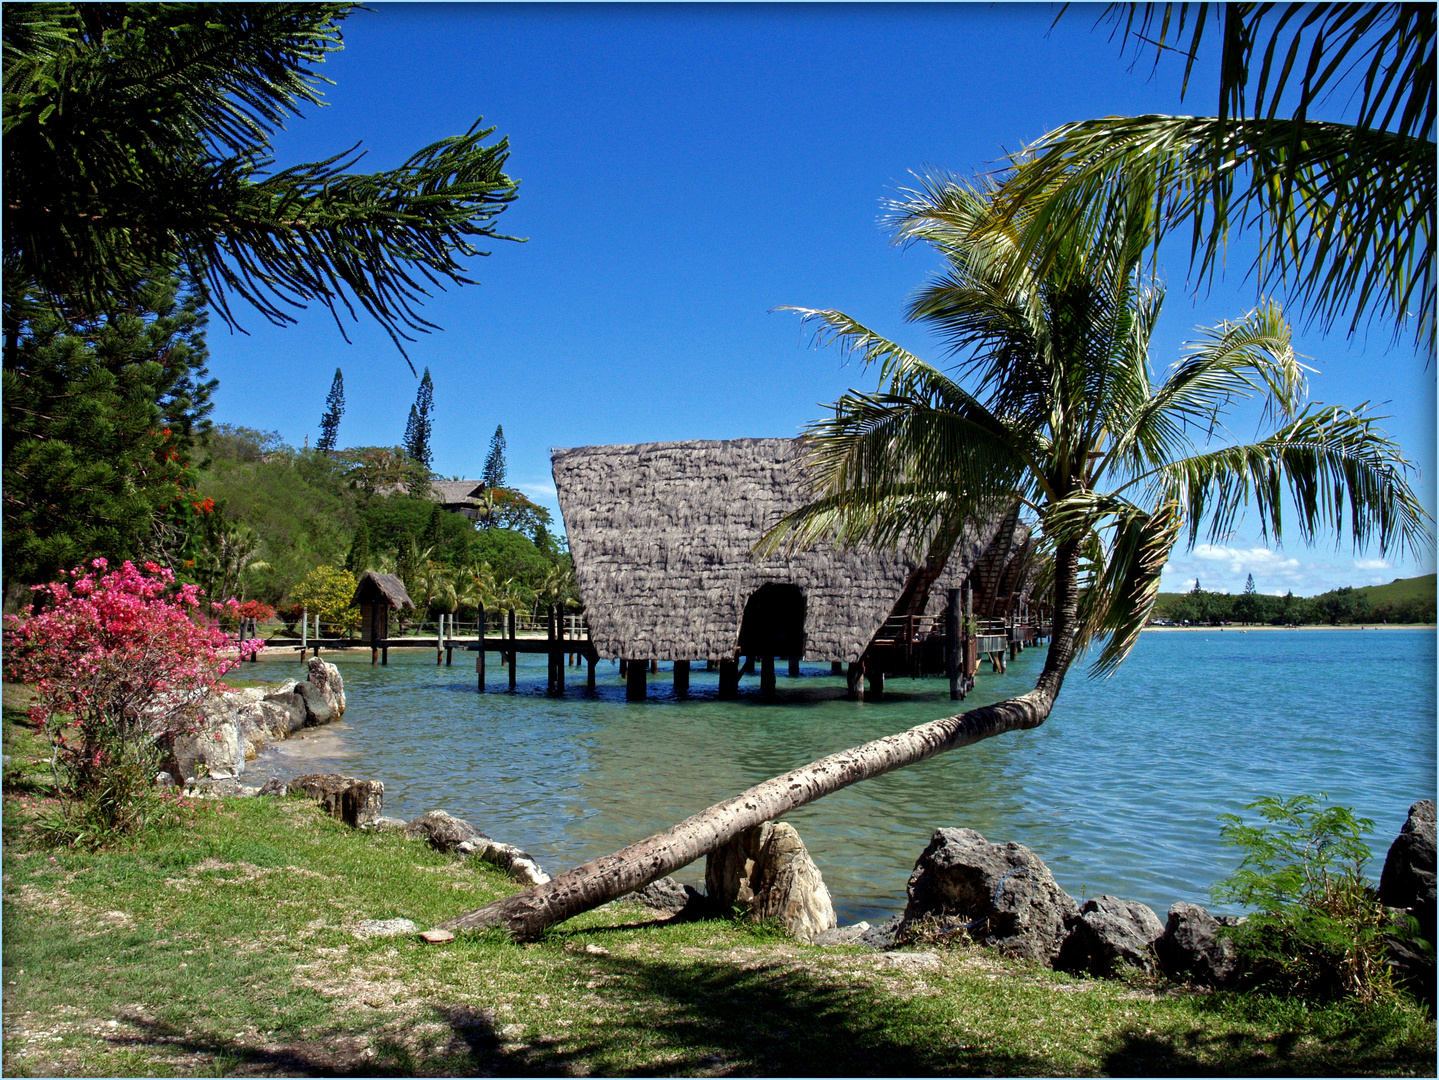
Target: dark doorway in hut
773, 625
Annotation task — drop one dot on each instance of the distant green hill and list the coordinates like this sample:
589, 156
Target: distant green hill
1400, 589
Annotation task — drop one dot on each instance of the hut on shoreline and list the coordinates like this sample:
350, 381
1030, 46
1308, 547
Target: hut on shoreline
375, 595
661, 535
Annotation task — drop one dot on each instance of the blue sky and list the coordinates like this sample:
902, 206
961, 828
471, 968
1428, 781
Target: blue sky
686, 169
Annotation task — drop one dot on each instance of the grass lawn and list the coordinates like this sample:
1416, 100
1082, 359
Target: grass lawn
227, 943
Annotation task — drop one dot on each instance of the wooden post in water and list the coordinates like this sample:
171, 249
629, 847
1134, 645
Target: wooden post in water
480, 656
728, 680
636, 681
766, 678
550, 649
560, 654
513, 655
304, 632
876, 686
440, 640
682, 677
794, 667
855, 681
836, 667
951, 645
590, 683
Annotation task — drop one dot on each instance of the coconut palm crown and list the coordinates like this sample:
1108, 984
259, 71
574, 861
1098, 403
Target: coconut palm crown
1054, 404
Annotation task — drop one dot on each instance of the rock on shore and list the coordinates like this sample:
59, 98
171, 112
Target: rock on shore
235, 725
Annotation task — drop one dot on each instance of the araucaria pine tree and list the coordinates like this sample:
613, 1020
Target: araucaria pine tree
1249, 589
334, 409
495, 461
417, 430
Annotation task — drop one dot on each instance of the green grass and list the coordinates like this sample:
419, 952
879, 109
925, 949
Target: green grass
225, 943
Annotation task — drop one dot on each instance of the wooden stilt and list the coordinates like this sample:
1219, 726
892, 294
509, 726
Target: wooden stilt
513, 655
766, 678
710, 665
951, 645
636, 682
855, 681
654, 667
794, 667
560, 655
590, 683
728, 680
480, 655
682, 677
876, 686
385, 656
836, 667
624, 668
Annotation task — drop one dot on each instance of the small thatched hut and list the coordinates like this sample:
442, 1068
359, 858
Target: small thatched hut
376, 595
661, 536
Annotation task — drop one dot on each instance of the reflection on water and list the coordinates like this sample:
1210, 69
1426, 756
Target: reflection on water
1117, 792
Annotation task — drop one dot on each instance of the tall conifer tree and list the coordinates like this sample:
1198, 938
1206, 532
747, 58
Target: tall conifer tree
417, 430
334, 409
495, 461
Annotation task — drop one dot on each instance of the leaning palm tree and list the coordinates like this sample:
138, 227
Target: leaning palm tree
1341, 206
1054, 406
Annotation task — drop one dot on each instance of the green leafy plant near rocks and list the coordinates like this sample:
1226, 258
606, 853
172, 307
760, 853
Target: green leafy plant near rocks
1319, 928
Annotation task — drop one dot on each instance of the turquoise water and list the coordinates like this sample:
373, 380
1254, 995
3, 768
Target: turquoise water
1117, 792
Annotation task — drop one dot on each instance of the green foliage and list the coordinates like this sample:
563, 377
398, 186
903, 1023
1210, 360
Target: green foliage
139, 134
334, 409
511, 555
358, 560
326, 593
296, 503
1409, 600
383, 470
99, 411
1318, 930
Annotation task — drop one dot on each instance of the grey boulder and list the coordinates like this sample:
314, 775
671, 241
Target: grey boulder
1001, 893
1408, 877
670, 896
1109, 934
355, 802
445, 832
1193, 948
317, 709
286, 712
766, 872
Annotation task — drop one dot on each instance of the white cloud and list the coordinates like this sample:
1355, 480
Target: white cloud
1373, 564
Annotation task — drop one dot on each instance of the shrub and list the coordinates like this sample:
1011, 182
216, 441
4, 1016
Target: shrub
120, 665
1318, 931
326, 592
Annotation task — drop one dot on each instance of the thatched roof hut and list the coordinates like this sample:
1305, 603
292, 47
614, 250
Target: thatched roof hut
661, 536
375, 587
375, 595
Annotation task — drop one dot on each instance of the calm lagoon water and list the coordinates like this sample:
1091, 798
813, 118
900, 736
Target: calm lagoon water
1117, 792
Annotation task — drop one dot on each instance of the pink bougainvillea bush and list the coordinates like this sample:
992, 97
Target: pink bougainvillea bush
122, 661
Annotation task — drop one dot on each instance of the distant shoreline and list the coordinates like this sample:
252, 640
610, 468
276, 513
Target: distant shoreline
1245, 629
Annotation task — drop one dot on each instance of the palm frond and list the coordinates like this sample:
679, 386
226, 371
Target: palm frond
1335, 464
1344, 216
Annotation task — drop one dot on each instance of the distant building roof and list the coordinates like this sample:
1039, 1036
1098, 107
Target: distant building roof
384, 588
456, 492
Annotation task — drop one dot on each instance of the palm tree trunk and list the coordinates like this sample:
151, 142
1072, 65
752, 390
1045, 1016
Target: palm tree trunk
527, 914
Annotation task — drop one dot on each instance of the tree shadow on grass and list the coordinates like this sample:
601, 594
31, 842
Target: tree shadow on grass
1369, 1046
762, 1019
639, 1018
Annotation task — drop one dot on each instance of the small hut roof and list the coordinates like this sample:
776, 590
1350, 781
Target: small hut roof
452, 492
386, 588
661, 536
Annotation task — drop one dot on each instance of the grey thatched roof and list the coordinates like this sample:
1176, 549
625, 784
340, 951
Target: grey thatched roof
456, 492
385, 588
661, 535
